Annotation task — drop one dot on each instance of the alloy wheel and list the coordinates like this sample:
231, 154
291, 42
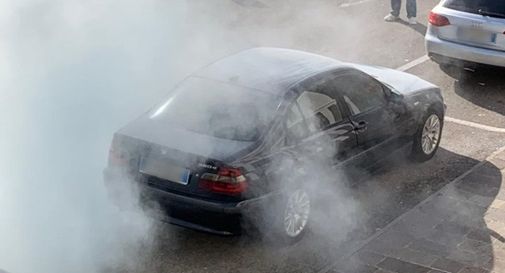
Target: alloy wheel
297, 213
431, 134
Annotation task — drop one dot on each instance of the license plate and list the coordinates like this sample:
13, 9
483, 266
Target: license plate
165, 170
476, 36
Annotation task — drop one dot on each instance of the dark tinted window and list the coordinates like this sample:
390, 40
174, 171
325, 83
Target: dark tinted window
360, 92
478, 6
213, 108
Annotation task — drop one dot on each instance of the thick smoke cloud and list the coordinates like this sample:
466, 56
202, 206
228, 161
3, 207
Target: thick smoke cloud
72, 73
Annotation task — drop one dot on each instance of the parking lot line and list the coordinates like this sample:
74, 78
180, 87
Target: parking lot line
475, 125
413, 63
346, 5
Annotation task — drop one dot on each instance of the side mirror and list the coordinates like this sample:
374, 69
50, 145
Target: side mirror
387, 92
392, 96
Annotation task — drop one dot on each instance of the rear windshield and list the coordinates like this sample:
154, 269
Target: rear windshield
493, 8
217, 109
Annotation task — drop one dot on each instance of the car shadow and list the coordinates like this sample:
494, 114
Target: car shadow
457, 217
481, 85
419, 28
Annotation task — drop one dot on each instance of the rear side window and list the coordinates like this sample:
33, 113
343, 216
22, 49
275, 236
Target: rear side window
311, 113
487, 7
295, 122
319, 110
361, 93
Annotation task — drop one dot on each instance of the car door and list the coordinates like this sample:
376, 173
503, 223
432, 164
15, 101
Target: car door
318, 124
370, 113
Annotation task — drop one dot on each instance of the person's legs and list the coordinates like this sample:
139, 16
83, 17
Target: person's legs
395, 7
395, 11
411, 8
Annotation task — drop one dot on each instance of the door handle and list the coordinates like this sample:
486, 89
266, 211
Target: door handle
360, 126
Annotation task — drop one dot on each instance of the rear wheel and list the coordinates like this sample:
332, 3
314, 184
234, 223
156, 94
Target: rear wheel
296, 214
427, 137
291, 217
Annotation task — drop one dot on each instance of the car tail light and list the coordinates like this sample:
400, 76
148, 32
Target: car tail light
229, 181
438, 20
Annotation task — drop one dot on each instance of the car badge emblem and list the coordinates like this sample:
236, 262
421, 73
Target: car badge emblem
476, 24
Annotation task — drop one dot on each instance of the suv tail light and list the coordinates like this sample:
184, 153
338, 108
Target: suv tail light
229, 181
116, 158
438, 20
119, 157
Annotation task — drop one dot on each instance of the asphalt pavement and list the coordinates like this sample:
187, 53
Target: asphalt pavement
354, 31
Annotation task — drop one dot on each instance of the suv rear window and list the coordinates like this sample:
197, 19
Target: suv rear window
493, 8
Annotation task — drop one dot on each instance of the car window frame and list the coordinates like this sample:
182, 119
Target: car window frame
305, 86
284, 119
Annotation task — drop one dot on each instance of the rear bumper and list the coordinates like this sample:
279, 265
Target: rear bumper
195, 213
445, 52
202, 215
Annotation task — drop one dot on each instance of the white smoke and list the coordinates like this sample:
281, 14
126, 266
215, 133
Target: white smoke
72, 73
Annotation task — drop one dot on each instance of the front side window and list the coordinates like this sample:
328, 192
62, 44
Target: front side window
361, 93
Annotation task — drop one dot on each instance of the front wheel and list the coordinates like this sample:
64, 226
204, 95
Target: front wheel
427, 137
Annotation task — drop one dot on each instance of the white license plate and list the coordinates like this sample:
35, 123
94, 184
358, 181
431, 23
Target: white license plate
165, 170
475, 36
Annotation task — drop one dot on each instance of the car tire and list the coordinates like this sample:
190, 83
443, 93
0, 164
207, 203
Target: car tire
292, 217
427, 137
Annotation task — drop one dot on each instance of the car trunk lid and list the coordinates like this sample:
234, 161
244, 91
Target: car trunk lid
474, 27
174, 160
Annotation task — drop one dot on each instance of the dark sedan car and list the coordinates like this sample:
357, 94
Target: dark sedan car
207, 155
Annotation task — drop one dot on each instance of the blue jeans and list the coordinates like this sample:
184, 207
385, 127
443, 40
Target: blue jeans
411, 8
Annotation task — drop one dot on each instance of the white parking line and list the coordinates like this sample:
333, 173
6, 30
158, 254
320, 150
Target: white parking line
413, 63
475, 125
355, 3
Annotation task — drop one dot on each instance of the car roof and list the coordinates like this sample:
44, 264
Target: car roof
272, 70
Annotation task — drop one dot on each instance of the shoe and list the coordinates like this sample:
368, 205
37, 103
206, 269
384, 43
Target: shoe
390, 18
412, 21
